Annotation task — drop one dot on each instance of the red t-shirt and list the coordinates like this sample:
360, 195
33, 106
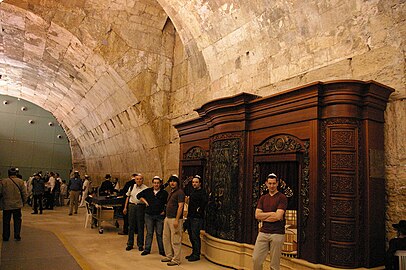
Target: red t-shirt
268, 203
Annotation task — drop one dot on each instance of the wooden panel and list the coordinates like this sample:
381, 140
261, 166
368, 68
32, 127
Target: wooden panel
331, 130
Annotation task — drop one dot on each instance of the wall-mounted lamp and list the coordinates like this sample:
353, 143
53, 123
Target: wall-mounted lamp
5, 102
23, 108
31, 121
50, 124
59, 136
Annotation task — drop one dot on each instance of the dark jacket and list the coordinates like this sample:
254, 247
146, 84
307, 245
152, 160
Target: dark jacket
75, 184
38, 186
127, 185
392, 261
156, 202
197, 203
106, 188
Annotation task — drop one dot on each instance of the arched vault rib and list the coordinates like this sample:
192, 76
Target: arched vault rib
46, 64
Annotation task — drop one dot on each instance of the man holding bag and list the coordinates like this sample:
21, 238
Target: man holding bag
13, 195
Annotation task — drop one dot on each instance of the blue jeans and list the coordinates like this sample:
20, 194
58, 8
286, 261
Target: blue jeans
195, 225
136, 217
156, 221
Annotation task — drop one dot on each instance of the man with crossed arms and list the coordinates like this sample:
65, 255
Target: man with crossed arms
271, 211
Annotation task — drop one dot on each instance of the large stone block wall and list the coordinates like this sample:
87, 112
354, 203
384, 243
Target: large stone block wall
118, 74
265, 49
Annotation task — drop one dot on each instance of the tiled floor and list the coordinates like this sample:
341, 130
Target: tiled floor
90, 249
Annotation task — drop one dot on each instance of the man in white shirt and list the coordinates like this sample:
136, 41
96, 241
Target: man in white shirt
136, 213
85, 190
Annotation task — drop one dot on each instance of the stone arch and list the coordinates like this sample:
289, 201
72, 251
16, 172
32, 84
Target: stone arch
86, 94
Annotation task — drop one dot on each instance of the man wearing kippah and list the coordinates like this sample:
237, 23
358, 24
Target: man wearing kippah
136, 213
271, 211
173, 223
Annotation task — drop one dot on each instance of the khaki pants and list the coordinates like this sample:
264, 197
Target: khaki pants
172, 239
268, 243
74, 200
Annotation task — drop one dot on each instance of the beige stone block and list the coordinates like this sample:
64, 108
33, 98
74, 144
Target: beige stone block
334, 71
279, 73
395, 128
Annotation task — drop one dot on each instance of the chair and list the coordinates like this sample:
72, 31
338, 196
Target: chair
402, 259
88, 216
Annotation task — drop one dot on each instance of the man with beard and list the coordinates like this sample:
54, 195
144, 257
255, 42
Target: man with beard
197, 203
173, 223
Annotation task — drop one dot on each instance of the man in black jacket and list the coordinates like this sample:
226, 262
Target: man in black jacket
123, 191
197, 203
107, 187
155, 200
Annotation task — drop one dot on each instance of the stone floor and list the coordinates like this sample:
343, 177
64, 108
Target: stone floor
89, 249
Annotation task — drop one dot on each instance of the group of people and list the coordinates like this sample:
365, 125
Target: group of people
49, 189
162, 212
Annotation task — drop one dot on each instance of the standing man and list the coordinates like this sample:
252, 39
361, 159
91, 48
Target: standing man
155, 200
13, 195
197, 203
50, 184
271, 211
74, 189
38, 190
136, 213
87, 184
173, 223
123, 192
107, 186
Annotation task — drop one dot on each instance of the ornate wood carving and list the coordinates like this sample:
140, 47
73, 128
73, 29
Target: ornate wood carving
222, 214
337, 227
343, 161
304, 192
195, 153
342, 231
345, 157
343, 184
323, 192
342, 138
280, 143
286, 144
344, 256
342, 208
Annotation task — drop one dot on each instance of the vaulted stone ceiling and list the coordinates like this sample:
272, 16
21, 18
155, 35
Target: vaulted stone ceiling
118, 73
93, 64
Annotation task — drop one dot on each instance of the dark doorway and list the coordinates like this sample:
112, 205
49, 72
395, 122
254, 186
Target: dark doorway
288, 171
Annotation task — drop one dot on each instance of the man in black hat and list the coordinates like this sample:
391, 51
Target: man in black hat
107, 186
398, 243
13, 195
